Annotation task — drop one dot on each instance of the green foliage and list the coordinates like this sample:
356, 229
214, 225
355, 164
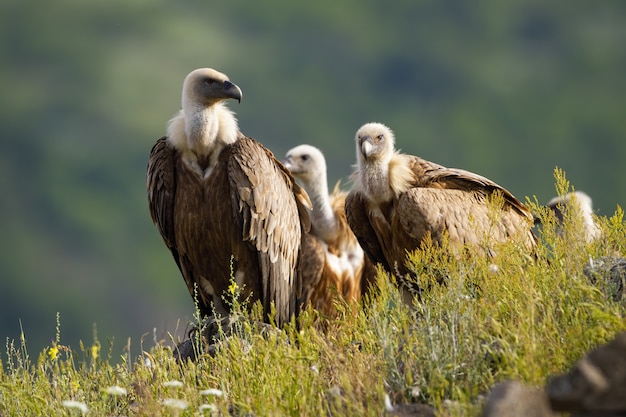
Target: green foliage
475, 322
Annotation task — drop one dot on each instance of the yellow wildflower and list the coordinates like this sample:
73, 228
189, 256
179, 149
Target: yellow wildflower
95, 350
233, 287
74, 386
53, 352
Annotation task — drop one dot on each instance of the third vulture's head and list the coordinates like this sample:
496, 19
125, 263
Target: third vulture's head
206, 86
576, 200
374, 143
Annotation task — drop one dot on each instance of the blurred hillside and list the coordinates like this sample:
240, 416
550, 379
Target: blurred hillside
508, 90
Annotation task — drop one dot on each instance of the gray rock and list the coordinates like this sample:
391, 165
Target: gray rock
609, 274
596, 383
411, 410
514, 399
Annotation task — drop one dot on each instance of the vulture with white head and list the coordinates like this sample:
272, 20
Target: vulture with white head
609, 271
224, 205
582, 205
399, 199
346, 269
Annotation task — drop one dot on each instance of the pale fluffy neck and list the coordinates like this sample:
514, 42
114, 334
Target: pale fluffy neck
323, 219
586, 209
199, 132
383, 180
374, 180
591, 229
581, 204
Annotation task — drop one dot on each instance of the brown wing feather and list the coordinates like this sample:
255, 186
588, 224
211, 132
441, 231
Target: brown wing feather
270, 219
161, 185
313, 272
345, 238
465, 215
432, 175
356, 208
353, 286
453, 201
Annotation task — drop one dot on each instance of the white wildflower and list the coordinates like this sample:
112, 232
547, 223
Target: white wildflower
172, 384
388, 405
493, 268
315, 369
175, 403
75, 404
115, 390
147, 362
212, 391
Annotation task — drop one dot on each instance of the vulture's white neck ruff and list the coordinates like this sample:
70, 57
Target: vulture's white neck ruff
383, 179
200, 132
375, 182
586, 210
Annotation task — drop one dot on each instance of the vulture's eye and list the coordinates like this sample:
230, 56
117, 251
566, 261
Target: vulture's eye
209, 81
380, 137
305, 157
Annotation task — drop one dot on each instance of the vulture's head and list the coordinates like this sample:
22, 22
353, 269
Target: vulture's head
557, 204
579, 204
306, 163
206, 86
374, 143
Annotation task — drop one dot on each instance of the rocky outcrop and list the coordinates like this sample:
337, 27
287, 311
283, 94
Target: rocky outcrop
596, 383
594, 387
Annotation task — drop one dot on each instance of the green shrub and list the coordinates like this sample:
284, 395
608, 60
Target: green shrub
474, 322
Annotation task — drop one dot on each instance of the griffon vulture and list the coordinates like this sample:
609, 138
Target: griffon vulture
607, 272
583, 206
346, 270
399, 199
224, 205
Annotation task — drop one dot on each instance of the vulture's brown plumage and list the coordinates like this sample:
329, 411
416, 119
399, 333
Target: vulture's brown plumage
399, 199
223, 204
344, 268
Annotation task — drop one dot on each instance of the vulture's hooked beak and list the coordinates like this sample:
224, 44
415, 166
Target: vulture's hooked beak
291, 166
287, 163
231, 90
366, 145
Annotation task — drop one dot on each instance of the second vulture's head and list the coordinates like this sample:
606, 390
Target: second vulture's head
206, 86
306, 163
374, 143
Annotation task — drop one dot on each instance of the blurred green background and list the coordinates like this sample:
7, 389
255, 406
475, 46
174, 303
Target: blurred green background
508, 90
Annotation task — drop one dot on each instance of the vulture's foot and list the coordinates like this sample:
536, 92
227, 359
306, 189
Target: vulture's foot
215, 332
202, 338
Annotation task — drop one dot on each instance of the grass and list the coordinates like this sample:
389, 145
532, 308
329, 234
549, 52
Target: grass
508, 317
